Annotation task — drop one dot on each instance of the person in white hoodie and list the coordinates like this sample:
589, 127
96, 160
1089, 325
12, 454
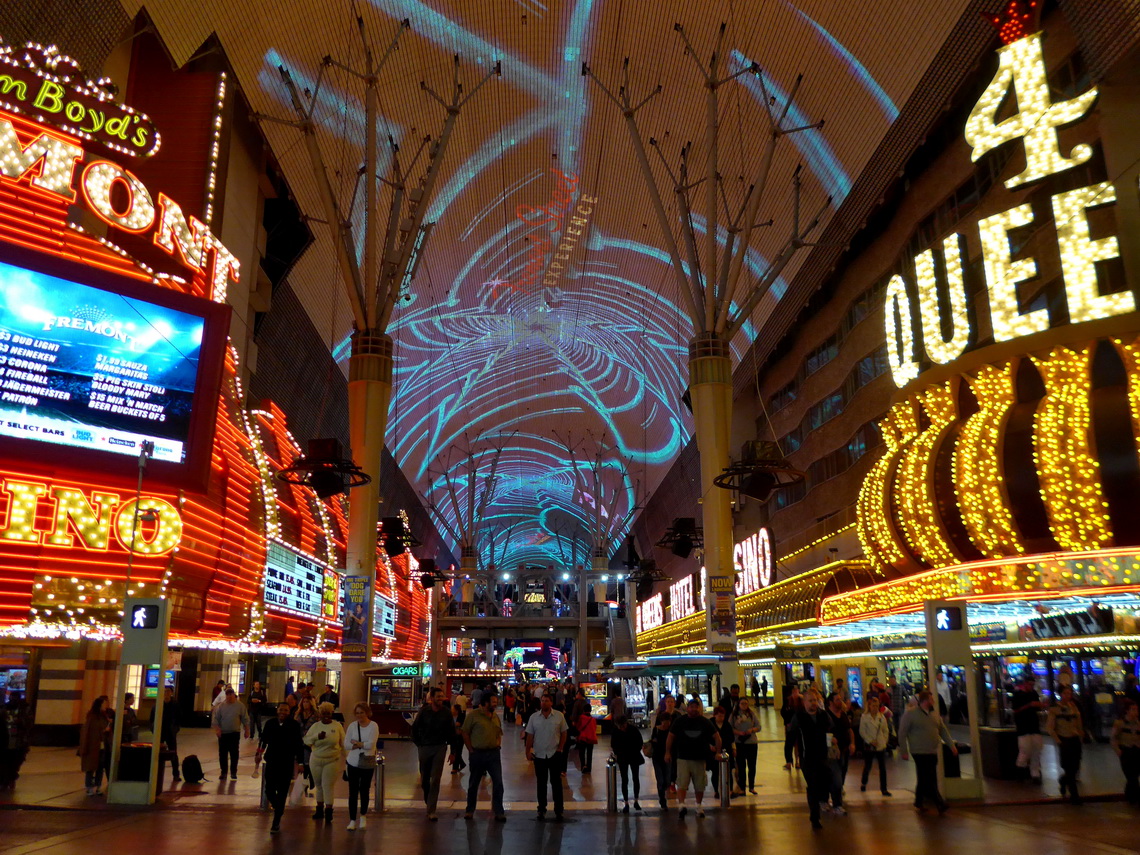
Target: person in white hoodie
875, 731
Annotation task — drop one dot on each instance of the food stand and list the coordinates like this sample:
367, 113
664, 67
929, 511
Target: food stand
395, 693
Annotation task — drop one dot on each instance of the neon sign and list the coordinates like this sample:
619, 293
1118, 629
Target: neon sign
51, 164
650, 614
682, 601
47, 86
93, 519
1021, 72
754, 562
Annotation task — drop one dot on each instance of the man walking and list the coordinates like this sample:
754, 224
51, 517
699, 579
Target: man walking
840, 751
1026, 705
170, 728
258, 706
432, 731
546, 732
230, 721
920, 732
810, 729
284, 752
483, 735
691, 739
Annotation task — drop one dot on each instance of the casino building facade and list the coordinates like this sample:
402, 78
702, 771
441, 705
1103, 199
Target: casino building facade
171, 218
962, 393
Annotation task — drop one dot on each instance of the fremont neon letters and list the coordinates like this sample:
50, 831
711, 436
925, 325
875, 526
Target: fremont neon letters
51, 163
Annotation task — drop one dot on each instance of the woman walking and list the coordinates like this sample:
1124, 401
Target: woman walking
745, 730
1065, 726
587, 727
360, 739
306, 716
326, 738
662, 771
626, 744
1126, 744
875, 731
93, 739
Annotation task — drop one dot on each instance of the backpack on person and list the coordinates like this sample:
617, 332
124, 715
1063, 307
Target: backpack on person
192, 770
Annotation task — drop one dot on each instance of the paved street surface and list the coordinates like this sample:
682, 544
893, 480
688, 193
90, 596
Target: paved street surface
51, 778
1091, 829
49, 813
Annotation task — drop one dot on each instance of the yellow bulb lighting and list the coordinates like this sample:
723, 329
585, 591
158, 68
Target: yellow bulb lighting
58, 160
1079, 255
914, 483
873, 510
97, 182
978, 480
1003, 274
1022, 64
938, 348
900, 338
1067, 469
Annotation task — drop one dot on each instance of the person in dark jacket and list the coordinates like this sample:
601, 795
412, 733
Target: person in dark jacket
728, 744
810, 730
283, 752
626, 744
170, 729
662, 770
793, 704
458, 764
258, 706
432, 732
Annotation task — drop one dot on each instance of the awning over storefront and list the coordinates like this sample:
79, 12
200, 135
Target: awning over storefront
795, 602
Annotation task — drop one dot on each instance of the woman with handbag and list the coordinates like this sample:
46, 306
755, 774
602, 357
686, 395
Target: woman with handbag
306, 716
627, 747
587, 739
360, 740
325, 737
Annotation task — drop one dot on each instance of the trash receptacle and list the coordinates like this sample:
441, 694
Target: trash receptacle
999, 752
134, 761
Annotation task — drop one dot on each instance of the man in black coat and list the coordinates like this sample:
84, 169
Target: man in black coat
284, 752
810, 729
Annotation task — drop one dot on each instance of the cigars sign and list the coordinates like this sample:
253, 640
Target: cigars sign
41, 89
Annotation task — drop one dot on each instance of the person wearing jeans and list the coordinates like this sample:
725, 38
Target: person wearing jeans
875, 731
230, 721
546, 732
920, 733
745, 727
360, 741
842, 747
1027, 706
280, 740
483, 735
432, 731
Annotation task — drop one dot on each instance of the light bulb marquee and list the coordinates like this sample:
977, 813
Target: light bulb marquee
65, 535
1002, 460
1021, 72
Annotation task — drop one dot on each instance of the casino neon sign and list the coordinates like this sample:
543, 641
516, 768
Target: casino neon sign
754, 562
91, 518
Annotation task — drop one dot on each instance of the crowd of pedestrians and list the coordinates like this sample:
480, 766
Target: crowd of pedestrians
307, 750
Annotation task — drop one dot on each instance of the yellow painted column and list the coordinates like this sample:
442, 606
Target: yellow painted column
369, 392
710, 386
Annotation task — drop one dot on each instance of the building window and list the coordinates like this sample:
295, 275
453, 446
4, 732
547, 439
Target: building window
783, 397
821, 355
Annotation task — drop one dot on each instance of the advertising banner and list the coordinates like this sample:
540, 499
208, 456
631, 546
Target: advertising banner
357, 618
722, 615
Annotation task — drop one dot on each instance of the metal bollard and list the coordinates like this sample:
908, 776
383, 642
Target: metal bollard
724, 778
611, 785
380, 783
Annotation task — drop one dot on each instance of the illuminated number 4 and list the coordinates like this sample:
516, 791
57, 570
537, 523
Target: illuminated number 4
1037, 119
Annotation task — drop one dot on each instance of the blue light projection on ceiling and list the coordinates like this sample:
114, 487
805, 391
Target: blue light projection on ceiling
532, 313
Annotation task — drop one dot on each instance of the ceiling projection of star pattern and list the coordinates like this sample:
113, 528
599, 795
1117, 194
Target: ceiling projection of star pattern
543, 302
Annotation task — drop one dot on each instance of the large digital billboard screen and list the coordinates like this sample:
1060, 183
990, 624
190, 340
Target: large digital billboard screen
95, 363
